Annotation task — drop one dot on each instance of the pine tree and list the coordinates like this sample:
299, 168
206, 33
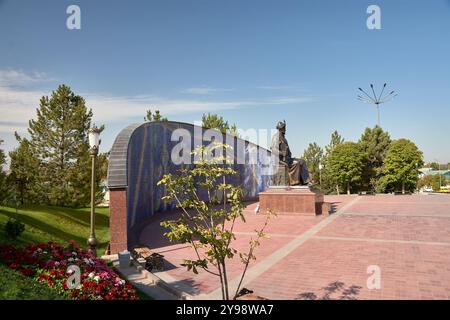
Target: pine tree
214, 121
60, 141
156, 116
2, 156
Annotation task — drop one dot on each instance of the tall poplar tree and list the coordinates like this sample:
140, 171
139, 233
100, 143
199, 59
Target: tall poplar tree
375, 143
313, 155
336, 139
328, 183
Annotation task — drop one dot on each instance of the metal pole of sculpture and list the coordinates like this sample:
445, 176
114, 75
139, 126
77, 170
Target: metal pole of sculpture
376, 99
290, 171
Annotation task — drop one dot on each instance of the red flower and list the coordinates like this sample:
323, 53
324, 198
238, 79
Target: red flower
54, 258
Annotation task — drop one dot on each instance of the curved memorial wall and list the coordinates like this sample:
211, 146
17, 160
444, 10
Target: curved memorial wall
143, 153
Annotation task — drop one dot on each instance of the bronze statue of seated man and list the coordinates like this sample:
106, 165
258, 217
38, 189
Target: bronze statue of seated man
291, 171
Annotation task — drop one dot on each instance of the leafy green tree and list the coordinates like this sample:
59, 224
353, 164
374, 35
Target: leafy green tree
375, 143
156, 116
432, 165
24, 178
59, 139
345, 165
434, 181
3, 188
400, 167
207, 225
313, 155
214, 121
102, 173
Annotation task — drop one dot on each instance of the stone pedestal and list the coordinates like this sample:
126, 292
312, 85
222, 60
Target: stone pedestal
301, 200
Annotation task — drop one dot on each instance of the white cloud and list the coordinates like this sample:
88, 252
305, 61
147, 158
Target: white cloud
111, 108
18, 103
280, 88
12, 78
203, 90
16, 108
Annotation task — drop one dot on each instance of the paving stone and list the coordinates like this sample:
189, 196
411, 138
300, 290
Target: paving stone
322, 257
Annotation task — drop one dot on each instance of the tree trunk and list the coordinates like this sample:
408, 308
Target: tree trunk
403, 188
221, 280
337, 189
348, 189
225, 280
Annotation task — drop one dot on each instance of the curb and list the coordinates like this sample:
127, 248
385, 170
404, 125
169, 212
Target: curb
181, 295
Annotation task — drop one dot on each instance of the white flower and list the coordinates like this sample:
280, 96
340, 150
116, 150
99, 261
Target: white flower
74, 253
91, 275
96, 278
70, 259
57, 263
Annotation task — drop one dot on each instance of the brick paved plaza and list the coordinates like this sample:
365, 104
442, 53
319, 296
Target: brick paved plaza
322, 257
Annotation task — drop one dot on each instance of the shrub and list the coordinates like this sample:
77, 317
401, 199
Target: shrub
14, 229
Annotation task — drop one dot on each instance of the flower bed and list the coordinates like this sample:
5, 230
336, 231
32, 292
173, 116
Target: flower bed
49, 263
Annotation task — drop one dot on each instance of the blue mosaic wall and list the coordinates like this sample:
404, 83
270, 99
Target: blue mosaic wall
148, 158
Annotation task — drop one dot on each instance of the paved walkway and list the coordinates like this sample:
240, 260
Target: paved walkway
323, 257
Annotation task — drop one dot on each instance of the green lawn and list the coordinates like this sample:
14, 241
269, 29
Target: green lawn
57, 224
15, 286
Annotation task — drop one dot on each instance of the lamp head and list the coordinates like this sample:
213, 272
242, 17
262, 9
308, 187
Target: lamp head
94, 137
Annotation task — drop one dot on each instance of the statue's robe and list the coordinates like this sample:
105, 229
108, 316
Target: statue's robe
298, 171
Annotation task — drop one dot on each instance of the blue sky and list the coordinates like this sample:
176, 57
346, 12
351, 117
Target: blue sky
254, 62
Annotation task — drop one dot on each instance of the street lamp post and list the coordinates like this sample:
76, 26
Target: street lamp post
94, 142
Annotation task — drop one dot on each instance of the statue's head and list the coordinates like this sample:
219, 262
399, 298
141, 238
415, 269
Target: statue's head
281, 126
